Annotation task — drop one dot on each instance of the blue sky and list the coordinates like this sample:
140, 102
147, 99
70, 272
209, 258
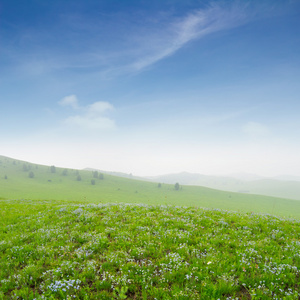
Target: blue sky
152, 87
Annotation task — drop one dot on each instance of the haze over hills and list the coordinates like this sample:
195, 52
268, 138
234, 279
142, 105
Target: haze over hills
283, 186
242, 183
252, 177
287, 177
16, 182
118, 174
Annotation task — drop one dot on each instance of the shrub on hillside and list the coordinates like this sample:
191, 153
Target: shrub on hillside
53, 169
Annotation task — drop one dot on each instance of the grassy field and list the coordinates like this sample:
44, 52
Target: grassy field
66, 239
65, 250
56, 186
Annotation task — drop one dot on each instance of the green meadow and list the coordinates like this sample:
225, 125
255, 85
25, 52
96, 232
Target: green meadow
66, 250
71, 234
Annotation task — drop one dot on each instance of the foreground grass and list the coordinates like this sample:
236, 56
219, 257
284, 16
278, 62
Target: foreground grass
60, 250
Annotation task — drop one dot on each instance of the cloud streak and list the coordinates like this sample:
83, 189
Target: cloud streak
142, 45
194, 26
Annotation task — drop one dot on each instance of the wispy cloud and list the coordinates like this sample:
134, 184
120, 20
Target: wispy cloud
141, 45
195, 25
93, 116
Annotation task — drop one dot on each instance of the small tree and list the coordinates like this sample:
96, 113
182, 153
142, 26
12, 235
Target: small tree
101, 176
65, 172
25, 167
5, 177
52, 169
31, 174
93, 182
159, 185
176, 186
78, 178
95, 174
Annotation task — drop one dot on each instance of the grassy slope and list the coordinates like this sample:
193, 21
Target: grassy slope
60, 250
116, 189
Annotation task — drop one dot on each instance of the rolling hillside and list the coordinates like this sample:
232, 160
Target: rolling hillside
15, 183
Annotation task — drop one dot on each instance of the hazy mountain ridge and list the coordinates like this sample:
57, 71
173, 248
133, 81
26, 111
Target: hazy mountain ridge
273, 186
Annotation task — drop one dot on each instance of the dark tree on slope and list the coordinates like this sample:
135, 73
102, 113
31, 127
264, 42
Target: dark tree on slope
176, 186
5, 177
95, 174
101, 176
31, 174
52, 169
93, 182
78, 178
159, 185
65, 172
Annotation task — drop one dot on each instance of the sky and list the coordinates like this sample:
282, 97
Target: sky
152, 87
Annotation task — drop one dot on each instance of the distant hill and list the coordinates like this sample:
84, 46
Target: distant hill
245, 176
118, 174
252, 184
24, 180
287, 178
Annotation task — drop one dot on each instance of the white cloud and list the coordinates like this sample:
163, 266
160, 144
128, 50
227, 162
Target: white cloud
93, 116
86, 122
98, 108
255, 129
69, 101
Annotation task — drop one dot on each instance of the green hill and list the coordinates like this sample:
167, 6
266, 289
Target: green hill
15, 183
